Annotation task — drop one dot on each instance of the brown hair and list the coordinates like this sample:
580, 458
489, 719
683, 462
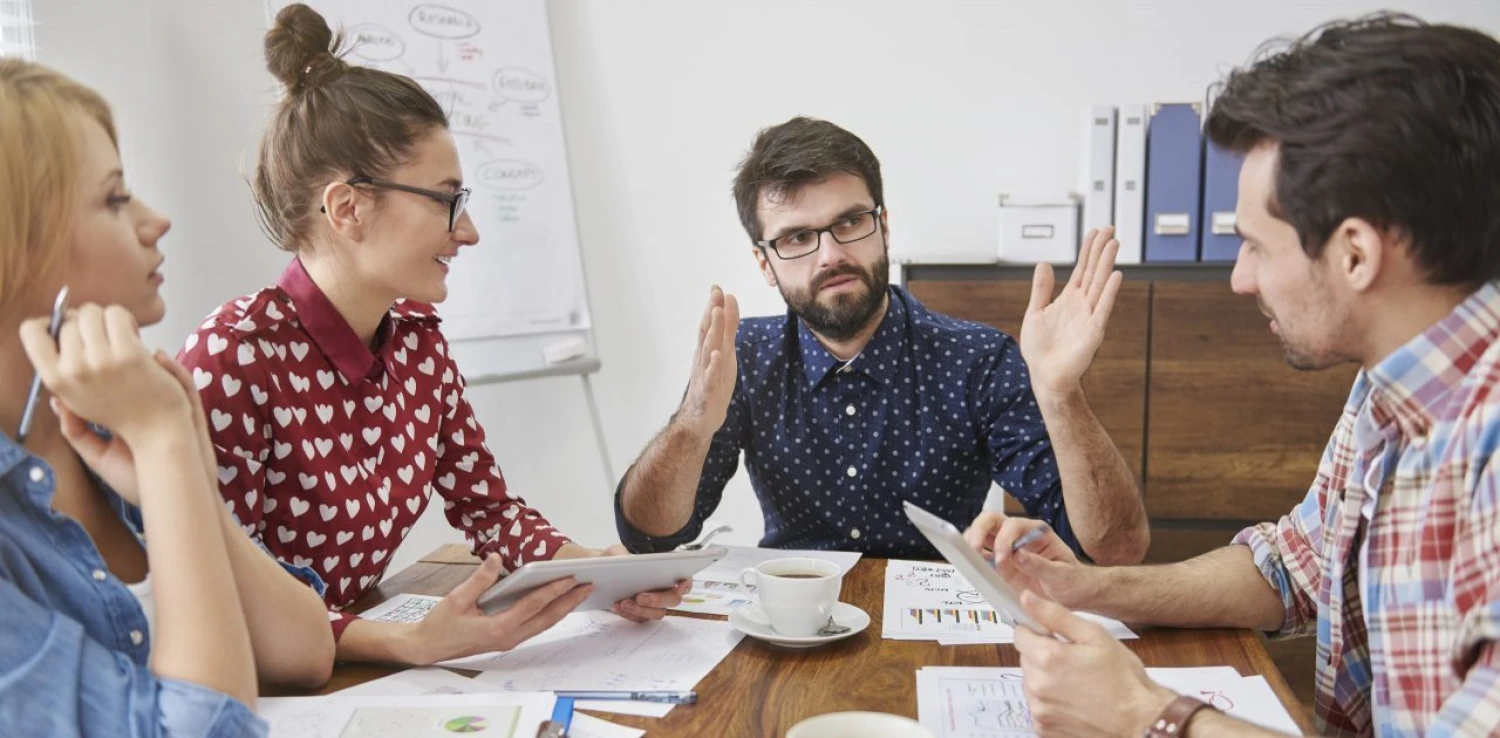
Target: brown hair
39, 167
787, 157
336, 121
1384, 118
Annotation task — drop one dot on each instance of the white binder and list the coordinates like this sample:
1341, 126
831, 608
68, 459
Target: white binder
1130, 183
1097, 168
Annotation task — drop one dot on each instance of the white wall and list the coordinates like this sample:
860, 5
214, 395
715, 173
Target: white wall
961, 101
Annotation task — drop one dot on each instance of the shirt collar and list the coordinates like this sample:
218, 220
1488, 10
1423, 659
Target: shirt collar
1416, 381
328, 329
876, 361
13, 455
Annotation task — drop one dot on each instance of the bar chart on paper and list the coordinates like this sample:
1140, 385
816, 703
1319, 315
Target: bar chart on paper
933, 602
952, 621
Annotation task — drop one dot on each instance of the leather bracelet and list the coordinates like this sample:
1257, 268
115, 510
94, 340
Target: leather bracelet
1174, 719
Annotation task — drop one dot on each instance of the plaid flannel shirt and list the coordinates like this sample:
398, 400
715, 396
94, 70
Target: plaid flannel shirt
1411, 649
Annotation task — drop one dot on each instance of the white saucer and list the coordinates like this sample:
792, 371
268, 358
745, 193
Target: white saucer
752, 621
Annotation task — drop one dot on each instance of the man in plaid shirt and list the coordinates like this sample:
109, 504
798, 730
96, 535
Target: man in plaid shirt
1369, 205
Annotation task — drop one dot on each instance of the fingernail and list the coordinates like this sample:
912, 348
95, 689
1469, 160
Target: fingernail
52, 403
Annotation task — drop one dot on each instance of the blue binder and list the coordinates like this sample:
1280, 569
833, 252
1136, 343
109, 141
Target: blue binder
1221, 186
1174, 169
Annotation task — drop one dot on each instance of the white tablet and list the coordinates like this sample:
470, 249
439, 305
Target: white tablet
980, 573
614, 577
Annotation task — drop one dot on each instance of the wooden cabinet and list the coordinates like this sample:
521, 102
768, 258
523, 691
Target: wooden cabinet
1192, 387
1232, 432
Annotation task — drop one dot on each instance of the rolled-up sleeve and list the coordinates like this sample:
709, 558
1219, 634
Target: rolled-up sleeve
55, 680
1289, 552
1475, 656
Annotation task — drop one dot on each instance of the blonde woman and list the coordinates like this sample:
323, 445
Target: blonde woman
130, 601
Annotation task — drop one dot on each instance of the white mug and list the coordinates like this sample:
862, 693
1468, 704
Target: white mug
859, 725
796, 606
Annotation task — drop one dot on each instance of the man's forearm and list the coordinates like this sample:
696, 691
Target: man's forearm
1220, 589
660, 489
1102, 498
1208, 723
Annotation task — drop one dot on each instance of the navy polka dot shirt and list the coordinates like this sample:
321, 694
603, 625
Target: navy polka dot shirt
931, 411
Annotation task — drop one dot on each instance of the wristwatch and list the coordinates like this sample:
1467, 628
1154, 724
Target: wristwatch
1175, 717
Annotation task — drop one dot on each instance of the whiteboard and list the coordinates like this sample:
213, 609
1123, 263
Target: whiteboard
521, 289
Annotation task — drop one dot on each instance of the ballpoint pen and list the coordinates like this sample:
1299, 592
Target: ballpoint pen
1035, 534
672, 698
28, 415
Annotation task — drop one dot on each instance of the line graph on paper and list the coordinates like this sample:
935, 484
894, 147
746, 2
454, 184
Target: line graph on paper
984, 708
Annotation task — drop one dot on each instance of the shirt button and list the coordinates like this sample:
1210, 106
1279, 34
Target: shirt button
99, 575
854, 533
849, 410
137, 637
852, 471
37, 475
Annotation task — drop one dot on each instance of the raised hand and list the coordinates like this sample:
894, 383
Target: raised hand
1059, 336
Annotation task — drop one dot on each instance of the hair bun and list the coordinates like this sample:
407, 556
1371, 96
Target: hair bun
301, 49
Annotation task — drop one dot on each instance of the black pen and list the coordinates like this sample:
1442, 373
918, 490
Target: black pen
53, 328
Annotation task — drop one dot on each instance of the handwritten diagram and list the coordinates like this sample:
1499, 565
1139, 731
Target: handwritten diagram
990, 702
489, 65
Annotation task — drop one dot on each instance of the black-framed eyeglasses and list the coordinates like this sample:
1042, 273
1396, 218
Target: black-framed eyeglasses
848, 229
456, 201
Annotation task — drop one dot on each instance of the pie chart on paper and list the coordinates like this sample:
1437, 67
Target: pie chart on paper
466, 725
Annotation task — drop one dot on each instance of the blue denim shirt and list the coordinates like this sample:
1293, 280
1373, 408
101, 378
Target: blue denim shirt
74, 646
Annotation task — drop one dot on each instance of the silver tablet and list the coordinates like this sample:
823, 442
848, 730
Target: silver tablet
949, 542
614, 577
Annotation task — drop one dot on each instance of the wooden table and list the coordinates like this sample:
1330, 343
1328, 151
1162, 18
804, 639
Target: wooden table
762, 690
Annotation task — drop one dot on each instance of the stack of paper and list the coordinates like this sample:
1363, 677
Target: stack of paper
516, 715
988, 702
717, 590
434, 681
603, 651
933, 602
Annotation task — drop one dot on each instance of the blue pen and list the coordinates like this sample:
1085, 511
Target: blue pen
562, 720
28, 415
671, 698
1032, 536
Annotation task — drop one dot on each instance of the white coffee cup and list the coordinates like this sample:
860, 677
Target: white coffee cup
798, 606
859, 725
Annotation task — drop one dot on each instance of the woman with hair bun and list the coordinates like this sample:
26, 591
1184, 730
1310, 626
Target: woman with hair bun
336, 409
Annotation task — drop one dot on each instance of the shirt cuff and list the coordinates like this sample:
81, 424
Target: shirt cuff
1262, 542
189, 709
339, 621
513, 555
636, 541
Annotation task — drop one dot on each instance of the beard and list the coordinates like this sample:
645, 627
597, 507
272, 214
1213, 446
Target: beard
1302, 362
845, 314
1301, 359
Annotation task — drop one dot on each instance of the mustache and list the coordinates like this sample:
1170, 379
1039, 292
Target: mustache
835, 273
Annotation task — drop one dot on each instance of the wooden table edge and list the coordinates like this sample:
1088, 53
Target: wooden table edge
1255, 650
